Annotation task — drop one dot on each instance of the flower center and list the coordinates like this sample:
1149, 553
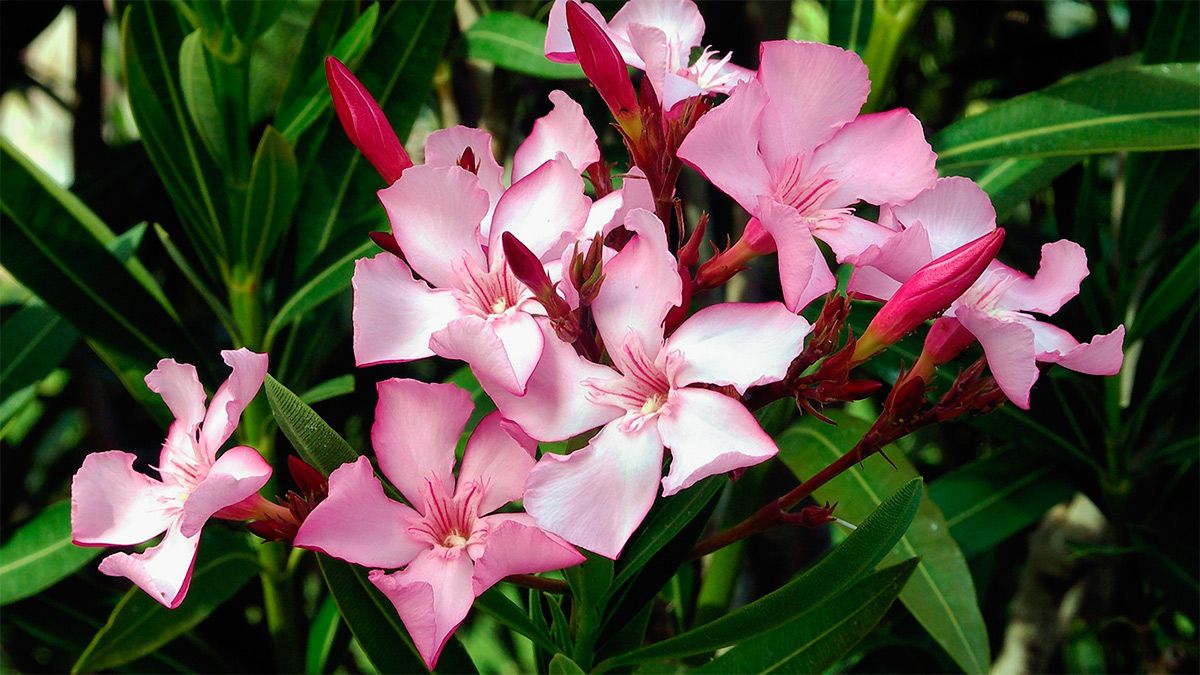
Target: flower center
653, 403
488, 292
454, 540
499, 306
451, 523
805, 188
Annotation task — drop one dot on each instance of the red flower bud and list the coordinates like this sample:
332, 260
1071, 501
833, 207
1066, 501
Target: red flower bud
602, 63
364, 122
929, 291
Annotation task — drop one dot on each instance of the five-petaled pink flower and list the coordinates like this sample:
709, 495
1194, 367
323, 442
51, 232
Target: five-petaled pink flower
450, 550
790, 147
655, 36
997, 308
596, 497
114, 505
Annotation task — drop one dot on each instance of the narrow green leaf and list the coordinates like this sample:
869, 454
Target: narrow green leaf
271, 199
562, 664
666, 521
300, 108
1154, 107
331, 388
139, 625
317, 442
32, 343
991, 499
322, 634
514, 42
1173, 37
198, 284
338, 203
1011, 182
852, 560
823, 634
850, 24
328, 22
40, 553
1176, 289
494, 604
196, 84
331, 279
57, 254
941, 594
249, 20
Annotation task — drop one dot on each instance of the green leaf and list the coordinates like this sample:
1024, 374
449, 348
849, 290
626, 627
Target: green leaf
1011, 182
139, 625
249, 20
823, 634
322, 634
40, 553
214, 303
853, 559
494, 604
850, 24
317, 442
562, 664
331, 388
331, 279
514, 42
1176, 289
307, 97
271, 199
33, 341
338, 204
150, 41
57, 249
993, 498
1105, 110
941, 594
375, 624
196, 84
1173, 36
666, 521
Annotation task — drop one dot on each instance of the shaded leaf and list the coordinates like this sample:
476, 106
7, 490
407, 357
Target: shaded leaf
40, 553
1176, 289
667, 520
271, 199
1011, 182
195, 83
315, 441
331, 388
331, 279
494, 604
850, 24
322, 634
514, 42
562, 664
33, 341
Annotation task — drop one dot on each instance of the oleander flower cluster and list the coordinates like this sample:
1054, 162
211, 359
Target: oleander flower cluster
586, 315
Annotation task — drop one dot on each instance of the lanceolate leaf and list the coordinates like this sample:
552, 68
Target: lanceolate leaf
514, 42
40, 553
662, 525
500, 608
822, 634
328, 280
195, 82
1105, 110
1176, 288
850, 24
33, 341
49, 245
271, 199
317, 442
1010, 182
941, 594
853, 559
339, 196
139, 625
322, 635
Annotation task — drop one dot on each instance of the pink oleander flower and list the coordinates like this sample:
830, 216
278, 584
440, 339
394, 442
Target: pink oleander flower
114, 505
596, 497
655, 36
449, 549
998, 308
449, 223
364, 122
791, 148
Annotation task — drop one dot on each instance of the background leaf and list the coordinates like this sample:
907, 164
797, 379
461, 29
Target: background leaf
40, 553
514, 42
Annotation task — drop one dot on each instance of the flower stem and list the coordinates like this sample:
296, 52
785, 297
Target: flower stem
279, 603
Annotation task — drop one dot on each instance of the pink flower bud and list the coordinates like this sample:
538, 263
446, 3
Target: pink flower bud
525, 265
601, 62
365, 123
927, 292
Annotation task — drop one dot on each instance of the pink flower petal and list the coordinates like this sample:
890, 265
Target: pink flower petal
597, 496
723, 146
394, 313
679, 21
435, 214
358, 523
708, 434
558, 46
432, 596
181, 390
849, 236
814, 89
855, 158
226, 406
516, 545
896, 260
803, 272
498, 462
113, 505
564, 129
953, 212
444, 147
1009, 348
641, 285
650, 44
739, 344
544, 210
1103, 355
164, 571
870, 283
417, 425
676, 88
237, 474
503, 350
609, 212
1063, 267
555, 405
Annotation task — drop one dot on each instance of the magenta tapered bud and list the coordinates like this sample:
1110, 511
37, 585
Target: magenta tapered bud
364, 122
927, 292
525, 265
602, 63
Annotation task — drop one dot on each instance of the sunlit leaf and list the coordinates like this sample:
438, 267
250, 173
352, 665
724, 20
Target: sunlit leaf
514, 42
